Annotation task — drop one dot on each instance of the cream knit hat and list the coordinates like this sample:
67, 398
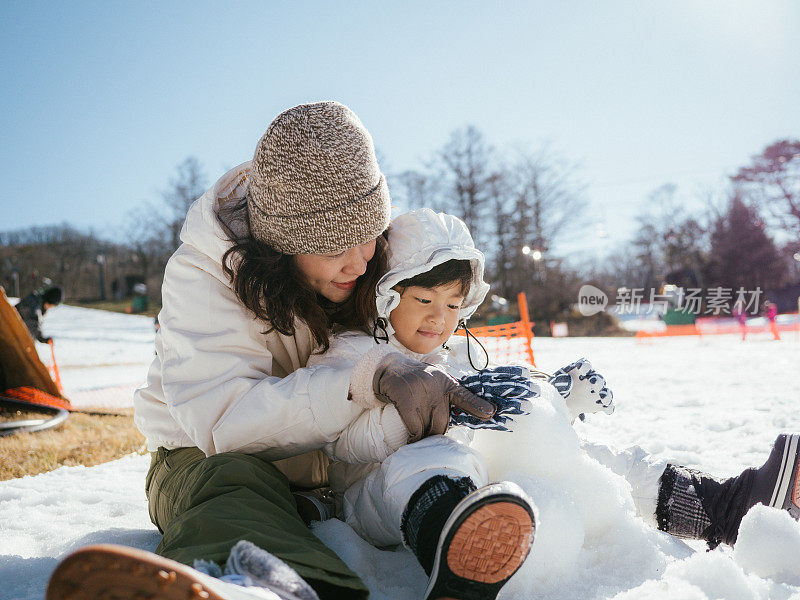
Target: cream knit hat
315, 186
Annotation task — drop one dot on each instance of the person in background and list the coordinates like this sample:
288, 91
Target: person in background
771, 309
740, 315
33, 307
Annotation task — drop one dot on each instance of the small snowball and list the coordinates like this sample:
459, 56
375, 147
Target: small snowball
542, 442
718, 576
769, 544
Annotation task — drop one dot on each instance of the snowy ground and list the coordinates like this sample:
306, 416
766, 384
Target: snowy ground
715, 404
102, 356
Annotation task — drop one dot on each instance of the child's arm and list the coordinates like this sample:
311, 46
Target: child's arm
372, 437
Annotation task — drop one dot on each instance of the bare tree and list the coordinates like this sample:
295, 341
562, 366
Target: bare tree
773, 181
58, 253
670, 246
549, 197
416, 189
466, 172
184, 188
534, 200
143, 231
504, 250
546, 207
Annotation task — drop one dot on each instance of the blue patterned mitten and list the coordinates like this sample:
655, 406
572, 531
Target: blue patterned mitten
509, 388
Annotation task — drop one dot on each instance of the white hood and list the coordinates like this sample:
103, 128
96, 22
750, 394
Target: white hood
201, 228
420, 240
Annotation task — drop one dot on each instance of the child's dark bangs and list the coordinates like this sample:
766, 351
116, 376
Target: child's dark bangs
452, 271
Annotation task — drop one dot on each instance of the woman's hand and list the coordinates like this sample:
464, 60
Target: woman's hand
423, 394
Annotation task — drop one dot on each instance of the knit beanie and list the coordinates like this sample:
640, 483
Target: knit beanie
52, 295
315, 185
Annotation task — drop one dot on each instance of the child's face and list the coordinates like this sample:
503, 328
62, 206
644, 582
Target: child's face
426, 317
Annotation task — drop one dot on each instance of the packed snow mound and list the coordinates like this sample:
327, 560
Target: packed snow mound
586, 514
590, 541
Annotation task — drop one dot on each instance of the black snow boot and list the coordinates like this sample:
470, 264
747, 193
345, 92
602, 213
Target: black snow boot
692, 504
427, 511
470, 542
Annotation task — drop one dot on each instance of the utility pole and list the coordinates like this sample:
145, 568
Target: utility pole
101, 274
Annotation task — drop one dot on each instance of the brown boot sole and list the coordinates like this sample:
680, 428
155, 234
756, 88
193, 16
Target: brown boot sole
484, 542
492, 543
120, 573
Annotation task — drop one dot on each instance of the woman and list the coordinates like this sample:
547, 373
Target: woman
279, 251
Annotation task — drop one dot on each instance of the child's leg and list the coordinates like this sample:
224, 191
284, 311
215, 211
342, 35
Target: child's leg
432, 495
640, 469
374, 506
692, 504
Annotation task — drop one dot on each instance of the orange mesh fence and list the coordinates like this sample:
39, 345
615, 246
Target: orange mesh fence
508, 343
728, 328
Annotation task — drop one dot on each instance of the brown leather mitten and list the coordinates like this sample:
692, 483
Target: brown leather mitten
423, 394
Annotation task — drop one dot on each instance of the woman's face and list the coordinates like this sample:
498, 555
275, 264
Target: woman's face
334, 275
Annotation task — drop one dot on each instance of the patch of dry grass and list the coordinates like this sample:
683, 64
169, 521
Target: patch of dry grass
120, 306
82, 439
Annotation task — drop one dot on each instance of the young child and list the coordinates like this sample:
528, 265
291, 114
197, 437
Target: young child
431, 493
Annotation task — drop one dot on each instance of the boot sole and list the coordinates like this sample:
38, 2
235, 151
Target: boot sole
786, 493
485, 541
121, 573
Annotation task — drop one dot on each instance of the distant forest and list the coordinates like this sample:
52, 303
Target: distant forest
520, 205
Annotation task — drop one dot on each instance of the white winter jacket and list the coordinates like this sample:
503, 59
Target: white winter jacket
217, 381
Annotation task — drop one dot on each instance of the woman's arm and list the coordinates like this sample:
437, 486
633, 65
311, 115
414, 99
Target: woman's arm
378, 430
216, 372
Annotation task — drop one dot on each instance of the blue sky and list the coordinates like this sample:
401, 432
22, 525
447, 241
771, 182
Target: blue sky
101, 100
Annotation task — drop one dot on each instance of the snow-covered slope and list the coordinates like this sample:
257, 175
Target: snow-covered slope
715, 403
102, 356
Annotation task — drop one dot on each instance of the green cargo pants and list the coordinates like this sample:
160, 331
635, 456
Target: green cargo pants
203, 506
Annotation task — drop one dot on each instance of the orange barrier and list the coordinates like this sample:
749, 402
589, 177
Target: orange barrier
509, 342
670, 331
711, 328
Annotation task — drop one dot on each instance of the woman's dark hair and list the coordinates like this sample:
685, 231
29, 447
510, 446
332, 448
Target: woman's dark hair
271, 285
450, 271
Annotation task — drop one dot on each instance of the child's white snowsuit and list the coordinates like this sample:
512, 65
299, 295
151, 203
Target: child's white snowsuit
375, 472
